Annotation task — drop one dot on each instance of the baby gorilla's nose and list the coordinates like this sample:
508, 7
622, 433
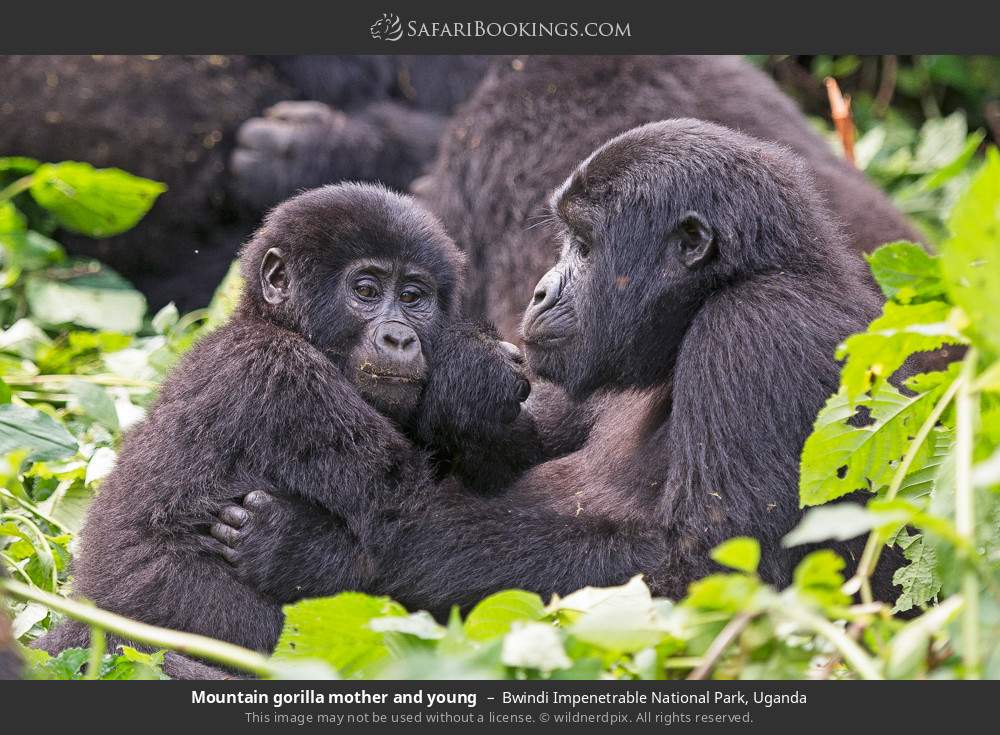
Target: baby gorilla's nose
397, 342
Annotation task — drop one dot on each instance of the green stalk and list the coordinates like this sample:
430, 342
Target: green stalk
849, 650
12, 190
98, 645
201, 646
966, 414
874, 545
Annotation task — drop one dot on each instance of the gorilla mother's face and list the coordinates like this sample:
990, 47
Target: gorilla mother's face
634, 268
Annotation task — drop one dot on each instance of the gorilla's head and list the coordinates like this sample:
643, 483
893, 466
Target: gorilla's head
655, 222
367, 276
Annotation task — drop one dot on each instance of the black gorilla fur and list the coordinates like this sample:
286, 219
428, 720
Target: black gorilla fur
283, 396
702, 291
534, 118
175, 119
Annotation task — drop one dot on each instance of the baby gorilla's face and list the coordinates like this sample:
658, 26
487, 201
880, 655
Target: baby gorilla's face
397, 307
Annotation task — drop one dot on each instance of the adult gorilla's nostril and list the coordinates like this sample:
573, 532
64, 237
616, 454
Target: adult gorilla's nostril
547, 292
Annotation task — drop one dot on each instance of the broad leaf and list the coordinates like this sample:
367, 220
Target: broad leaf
741, 553
337, 630
493, 616
906, 272
875, 354
94, 202
970, 258
839, 458
38, 433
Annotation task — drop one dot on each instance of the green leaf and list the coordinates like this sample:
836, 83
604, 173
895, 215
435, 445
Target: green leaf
622, 619
819, 576
226, 297
837, 522
942, 140
919, 578
100, 299
166, 318
741, 553
493, 616
839, 458
534, 646
419, 624
875, 354
68, 505
906, 272
38, 433
94, 202
337, 630
18, 165
97, 404
723, 592
11, 220
970, 258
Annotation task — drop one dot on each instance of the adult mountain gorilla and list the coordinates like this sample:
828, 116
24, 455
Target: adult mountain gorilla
703, 288
175, 119
534, 118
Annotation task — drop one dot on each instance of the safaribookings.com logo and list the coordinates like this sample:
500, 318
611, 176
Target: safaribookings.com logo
387, 28
390, 28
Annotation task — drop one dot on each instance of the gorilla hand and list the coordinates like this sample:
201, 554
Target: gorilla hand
296, 145
475, 389
270, 540
470, 412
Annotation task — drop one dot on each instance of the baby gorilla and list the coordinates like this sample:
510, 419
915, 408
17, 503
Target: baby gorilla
316, 389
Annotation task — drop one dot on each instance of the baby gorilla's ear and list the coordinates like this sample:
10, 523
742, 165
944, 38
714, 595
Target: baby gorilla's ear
697, 240
274, 277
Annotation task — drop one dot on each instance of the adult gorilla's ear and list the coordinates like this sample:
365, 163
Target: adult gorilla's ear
274, 277
697, 240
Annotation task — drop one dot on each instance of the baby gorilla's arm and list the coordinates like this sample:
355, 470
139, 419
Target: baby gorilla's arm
471, 415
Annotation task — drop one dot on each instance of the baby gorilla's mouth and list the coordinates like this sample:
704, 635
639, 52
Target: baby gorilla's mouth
391, 377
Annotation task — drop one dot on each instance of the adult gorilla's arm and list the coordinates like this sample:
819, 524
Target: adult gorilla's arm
440, 548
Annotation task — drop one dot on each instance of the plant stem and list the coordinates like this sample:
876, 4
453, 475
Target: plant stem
110, 380
874, 545
851, 652
13, 189
201, 646
722, 641
966, 410
98, 645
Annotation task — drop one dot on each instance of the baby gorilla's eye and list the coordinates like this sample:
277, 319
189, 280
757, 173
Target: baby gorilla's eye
366, 290
410, 296
582, 247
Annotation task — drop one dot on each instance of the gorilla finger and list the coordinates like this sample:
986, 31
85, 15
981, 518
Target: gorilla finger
523, 390
258, 500
300, 111
227, 535
234, 515
265, 134
230, 555
513, 352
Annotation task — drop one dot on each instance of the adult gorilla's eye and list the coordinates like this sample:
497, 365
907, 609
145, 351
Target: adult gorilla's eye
366, 290
410, 296
582, 247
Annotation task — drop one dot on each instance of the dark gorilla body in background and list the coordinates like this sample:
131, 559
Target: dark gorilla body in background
703, 352
175, 119
534, 118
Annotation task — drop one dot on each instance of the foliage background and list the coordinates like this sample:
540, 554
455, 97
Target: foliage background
80, 360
